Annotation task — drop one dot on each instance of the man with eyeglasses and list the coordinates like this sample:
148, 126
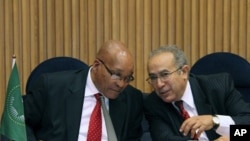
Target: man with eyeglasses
185, 106
50, 117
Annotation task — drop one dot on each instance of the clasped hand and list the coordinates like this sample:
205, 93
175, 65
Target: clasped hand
197, 125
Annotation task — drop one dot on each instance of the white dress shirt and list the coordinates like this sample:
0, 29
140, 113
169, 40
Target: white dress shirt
88, 106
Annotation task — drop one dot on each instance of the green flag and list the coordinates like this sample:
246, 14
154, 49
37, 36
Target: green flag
12, 124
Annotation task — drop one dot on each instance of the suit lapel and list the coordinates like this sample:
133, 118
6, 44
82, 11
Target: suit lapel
118, 112
200, 99
201, 103
74, 104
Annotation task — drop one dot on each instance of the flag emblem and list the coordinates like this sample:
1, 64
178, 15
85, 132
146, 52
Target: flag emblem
13, 122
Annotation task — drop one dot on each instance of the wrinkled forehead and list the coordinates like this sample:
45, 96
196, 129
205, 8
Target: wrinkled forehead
123, 64
159, 62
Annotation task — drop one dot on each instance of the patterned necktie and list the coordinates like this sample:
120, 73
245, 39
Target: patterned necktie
184, 113
95, 124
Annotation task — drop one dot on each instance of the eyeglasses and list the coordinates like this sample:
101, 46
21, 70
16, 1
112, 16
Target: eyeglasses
115, 76
163, 76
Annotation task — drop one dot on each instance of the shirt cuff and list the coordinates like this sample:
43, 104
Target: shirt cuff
224, 127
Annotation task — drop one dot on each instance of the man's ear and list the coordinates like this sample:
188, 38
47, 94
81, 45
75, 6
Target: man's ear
185, 69
95, 64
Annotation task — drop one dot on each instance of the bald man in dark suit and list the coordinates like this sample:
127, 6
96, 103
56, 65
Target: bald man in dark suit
58, 106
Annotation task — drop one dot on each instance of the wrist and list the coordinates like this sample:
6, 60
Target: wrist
216, 122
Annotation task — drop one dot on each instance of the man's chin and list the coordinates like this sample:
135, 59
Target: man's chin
112, 96
166, 98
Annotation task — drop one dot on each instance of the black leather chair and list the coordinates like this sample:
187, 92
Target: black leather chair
231, 63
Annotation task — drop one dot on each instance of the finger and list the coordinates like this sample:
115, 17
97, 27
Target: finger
186, 123
196, 129
188, 126
200, 130
183, 125
193, 132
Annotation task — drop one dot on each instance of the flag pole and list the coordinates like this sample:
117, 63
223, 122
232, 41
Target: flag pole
13, 60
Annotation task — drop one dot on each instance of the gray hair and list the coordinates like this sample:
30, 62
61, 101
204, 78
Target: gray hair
180, 58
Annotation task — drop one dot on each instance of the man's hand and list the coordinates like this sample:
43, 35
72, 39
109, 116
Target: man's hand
197, 124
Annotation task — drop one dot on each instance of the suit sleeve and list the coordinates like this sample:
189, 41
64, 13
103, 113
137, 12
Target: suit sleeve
134, 132
34, 103
237, 108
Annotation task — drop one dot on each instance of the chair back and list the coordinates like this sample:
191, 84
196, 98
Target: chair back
54, 64
231, 63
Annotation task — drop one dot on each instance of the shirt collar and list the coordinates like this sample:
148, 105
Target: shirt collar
188, 97
90, 87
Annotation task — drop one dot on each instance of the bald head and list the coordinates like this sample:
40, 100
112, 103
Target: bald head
113, 60
113, 48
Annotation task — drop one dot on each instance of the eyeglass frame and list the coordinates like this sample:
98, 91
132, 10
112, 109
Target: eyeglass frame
162, 78
115, 76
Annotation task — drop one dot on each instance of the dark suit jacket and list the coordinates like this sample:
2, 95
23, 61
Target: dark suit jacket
213, 94
53, 108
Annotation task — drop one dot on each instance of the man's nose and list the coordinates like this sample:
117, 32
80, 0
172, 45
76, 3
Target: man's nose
159, 83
